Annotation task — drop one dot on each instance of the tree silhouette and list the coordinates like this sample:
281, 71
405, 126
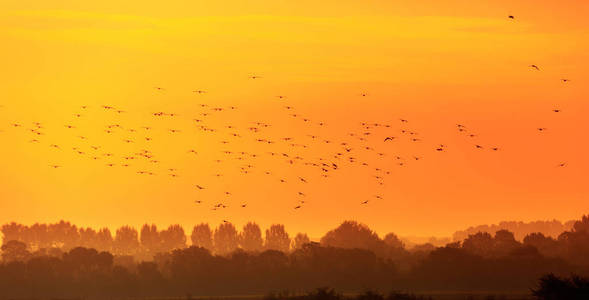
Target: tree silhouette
505, 243
89, 238
150, 239
582, 225
13, 232
126, 241
277, 238
173, 238
250, 238
300, 240
15, 251
202, 236
520, 229
393, 241
225, 239
576, 246
351, 234
548, 246
104, 240
65, 235
40, 236
480, 243
551, 287
88, 260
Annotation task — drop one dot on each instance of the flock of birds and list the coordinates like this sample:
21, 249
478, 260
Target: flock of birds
340, 152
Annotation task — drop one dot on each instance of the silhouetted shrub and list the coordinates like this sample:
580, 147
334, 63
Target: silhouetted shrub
552, 287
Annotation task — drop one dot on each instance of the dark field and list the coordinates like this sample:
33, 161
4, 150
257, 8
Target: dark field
357, 296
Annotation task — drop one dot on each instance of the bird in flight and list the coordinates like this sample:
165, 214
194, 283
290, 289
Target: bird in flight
556, 110
365, 202
389, 138
199, 91
565, 80
511, 17
535, 67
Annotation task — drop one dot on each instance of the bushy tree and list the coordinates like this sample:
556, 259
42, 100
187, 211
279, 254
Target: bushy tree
104, 239
351, 234
173, 238
480, 243
126, 241
225, 239
15, 251
150, 239
250, 237
277, 238
300, 240
202, 236
552, 287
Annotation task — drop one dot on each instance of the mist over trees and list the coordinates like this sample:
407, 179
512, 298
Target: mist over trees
251, 237
519, 229
300, 240
202, 236
62, 260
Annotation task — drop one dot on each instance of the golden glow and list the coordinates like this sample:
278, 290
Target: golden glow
431, 63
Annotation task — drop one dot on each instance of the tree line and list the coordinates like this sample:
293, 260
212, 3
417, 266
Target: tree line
149, 240
223, 261
520, 229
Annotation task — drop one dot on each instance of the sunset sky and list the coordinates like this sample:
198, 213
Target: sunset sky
433, 63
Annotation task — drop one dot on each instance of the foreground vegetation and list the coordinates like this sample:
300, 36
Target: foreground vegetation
350, 258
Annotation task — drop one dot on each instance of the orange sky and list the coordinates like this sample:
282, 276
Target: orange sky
434, 64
